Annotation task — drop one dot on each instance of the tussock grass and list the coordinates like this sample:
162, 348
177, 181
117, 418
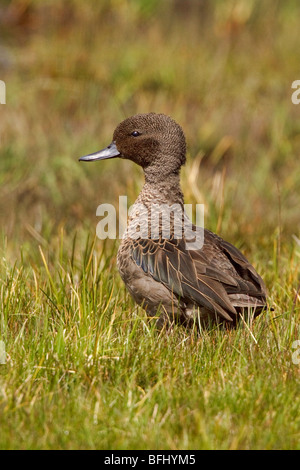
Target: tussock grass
84, 366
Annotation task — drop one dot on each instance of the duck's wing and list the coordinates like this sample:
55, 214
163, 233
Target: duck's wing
216, 276
242, 283
168, 262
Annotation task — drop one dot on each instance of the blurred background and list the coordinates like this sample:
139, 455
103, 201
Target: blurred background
223, 70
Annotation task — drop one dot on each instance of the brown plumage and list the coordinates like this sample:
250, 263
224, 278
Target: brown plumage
212, 280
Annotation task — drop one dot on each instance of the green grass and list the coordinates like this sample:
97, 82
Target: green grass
85, 368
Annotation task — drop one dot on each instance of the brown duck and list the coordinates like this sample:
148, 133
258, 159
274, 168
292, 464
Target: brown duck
212, 280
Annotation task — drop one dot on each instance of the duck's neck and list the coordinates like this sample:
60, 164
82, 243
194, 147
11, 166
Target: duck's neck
162, 191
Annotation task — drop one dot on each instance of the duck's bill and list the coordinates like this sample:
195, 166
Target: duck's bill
109, 152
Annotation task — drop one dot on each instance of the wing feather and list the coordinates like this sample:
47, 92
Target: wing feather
217, 277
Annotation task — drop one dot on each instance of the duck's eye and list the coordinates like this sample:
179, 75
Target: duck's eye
135, 133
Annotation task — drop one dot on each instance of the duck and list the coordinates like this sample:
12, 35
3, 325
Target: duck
188, 276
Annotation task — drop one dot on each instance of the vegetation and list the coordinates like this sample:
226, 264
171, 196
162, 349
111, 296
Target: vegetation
84, 367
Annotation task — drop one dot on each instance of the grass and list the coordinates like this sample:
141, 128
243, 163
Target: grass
84, 366
79, 379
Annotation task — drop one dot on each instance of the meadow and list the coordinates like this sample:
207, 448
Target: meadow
83, 368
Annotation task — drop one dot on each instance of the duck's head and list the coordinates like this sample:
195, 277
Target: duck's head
153, 141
